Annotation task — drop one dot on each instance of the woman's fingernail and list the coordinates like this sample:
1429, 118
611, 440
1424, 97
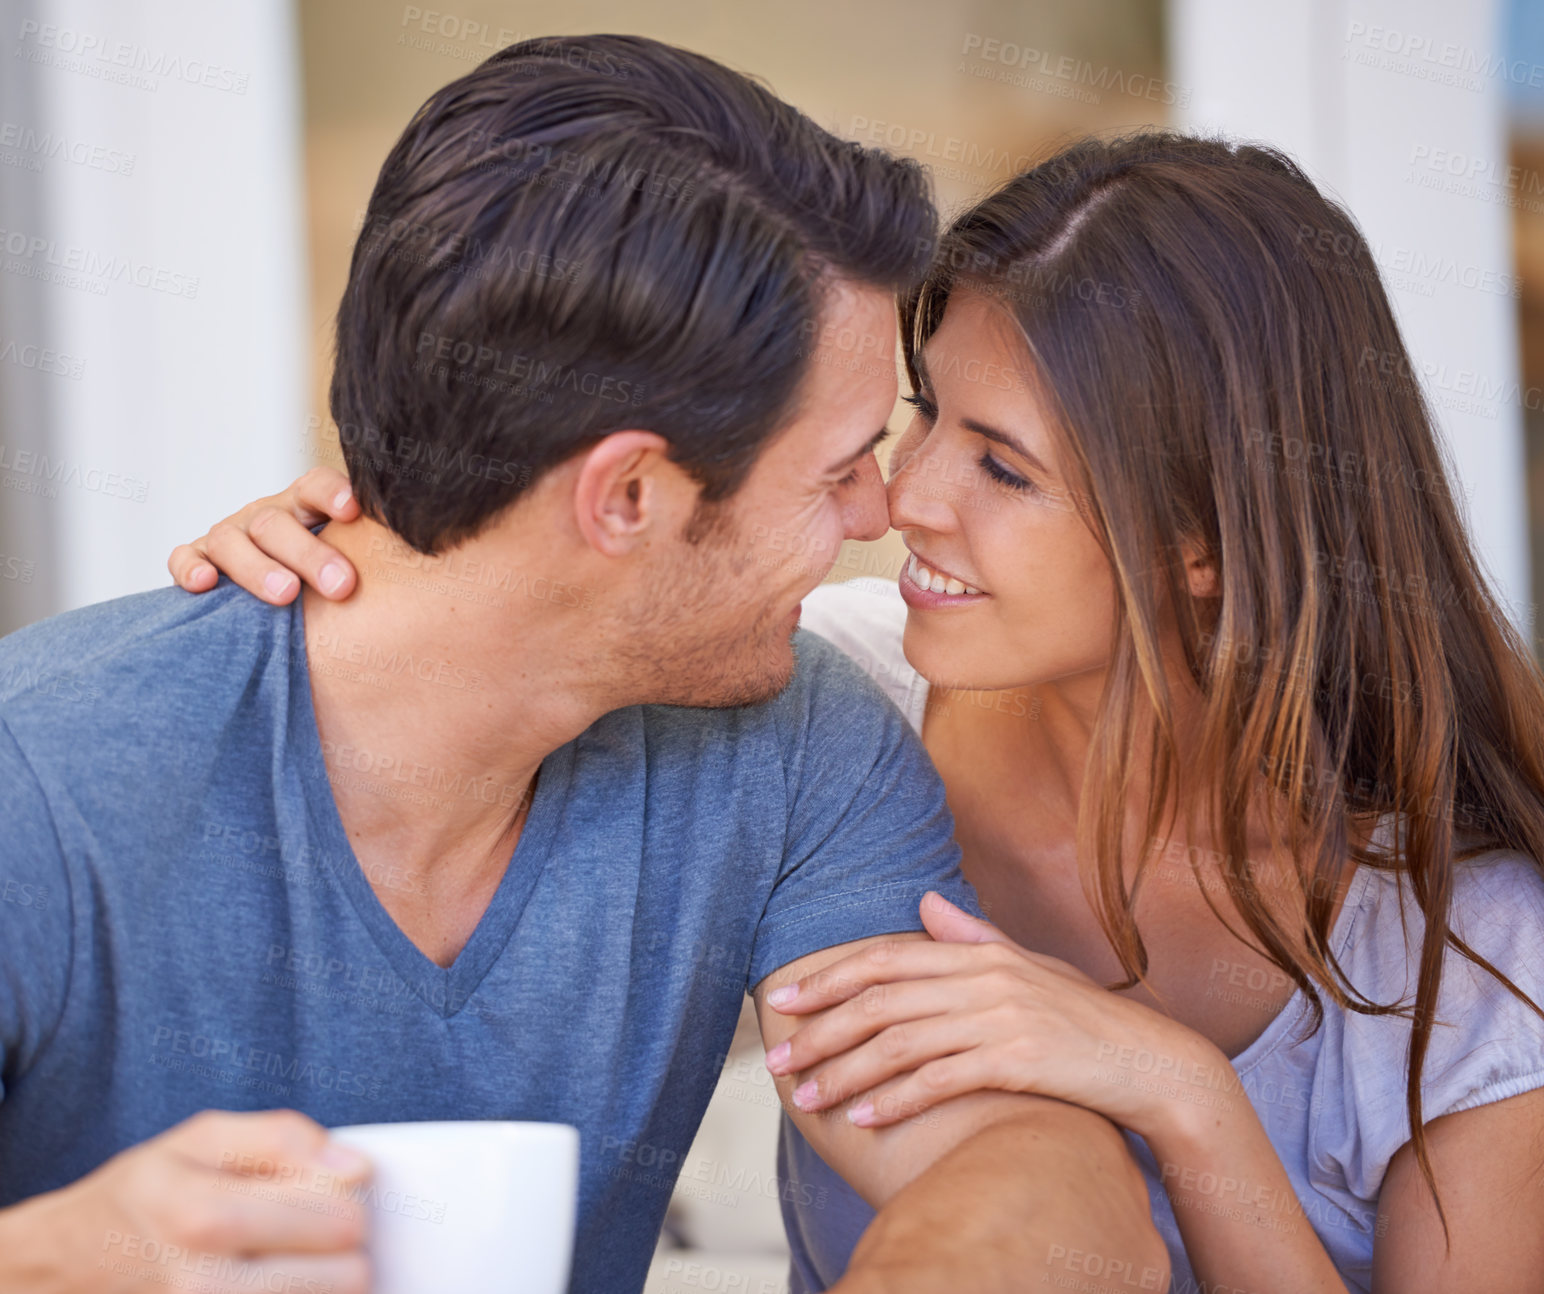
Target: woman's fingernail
332, 577
863, 1114
344, 1160
277, 583
778, 1057
806, 1094
783, 996
342, 501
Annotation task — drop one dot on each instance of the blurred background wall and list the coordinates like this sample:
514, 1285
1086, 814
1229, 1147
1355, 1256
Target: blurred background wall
1400, 109
154, 338
181, 184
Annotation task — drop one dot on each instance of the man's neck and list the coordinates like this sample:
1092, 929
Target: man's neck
437, 699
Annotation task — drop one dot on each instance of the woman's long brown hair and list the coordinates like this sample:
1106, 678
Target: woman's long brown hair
1216, 350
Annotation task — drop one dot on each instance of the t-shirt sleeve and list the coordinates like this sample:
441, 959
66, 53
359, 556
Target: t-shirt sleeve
1486, 1045
35, 919
868, 830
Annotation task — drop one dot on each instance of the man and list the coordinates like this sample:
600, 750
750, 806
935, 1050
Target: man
509, 833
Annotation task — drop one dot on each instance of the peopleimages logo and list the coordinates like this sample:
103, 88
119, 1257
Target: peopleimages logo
230, 1060
20, 569
537, 374
1443, 61
397, 664
31, 472
1062, 74
119, 60
41, 359
35, 253
53, 147
924, 143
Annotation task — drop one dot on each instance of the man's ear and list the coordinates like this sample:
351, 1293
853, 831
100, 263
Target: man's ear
623, 490
1200, 572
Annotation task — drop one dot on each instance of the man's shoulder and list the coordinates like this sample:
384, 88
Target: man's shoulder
123, 657
828, 677
830, 696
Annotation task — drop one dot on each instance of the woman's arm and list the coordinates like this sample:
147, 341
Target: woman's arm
1237, 1211
1489, 1166
268, 544
993, 1193
975, 1011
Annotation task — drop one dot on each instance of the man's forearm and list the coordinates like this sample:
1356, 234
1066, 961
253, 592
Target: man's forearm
1049, 1191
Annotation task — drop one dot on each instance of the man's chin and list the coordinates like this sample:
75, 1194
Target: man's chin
761, 677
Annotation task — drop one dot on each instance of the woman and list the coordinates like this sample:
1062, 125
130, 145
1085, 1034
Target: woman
1245, 761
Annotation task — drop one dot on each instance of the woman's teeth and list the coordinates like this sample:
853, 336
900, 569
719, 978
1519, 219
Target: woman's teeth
933, 581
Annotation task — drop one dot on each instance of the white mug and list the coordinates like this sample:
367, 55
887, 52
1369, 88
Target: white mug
476, 1206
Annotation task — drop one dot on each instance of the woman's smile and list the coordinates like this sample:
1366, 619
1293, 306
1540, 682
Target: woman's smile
929, 589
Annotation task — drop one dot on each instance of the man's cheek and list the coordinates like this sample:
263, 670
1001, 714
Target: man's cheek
808, 554
823, 551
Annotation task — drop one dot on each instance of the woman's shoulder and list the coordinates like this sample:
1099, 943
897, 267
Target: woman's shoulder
1496, 908
1485, 1043
866, 618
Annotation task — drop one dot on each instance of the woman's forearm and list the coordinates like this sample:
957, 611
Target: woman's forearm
1240, 1217
1053, 1192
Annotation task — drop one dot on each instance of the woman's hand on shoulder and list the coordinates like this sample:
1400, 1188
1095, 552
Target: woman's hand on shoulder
268, 548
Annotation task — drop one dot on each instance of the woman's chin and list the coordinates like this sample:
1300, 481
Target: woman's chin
943, 655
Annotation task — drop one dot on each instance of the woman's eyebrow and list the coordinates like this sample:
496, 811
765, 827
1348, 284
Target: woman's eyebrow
919, 363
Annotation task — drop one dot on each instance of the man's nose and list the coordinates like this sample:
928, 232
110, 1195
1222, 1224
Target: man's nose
865, 512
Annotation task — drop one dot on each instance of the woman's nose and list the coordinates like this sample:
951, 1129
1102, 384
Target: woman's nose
916, 501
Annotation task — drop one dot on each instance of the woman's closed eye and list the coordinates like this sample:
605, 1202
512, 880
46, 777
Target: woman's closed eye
1002, 475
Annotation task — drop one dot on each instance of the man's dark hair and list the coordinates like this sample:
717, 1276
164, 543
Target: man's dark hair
587, 234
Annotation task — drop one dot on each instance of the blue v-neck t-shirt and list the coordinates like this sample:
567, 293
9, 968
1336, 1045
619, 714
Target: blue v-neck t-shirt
184, 926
